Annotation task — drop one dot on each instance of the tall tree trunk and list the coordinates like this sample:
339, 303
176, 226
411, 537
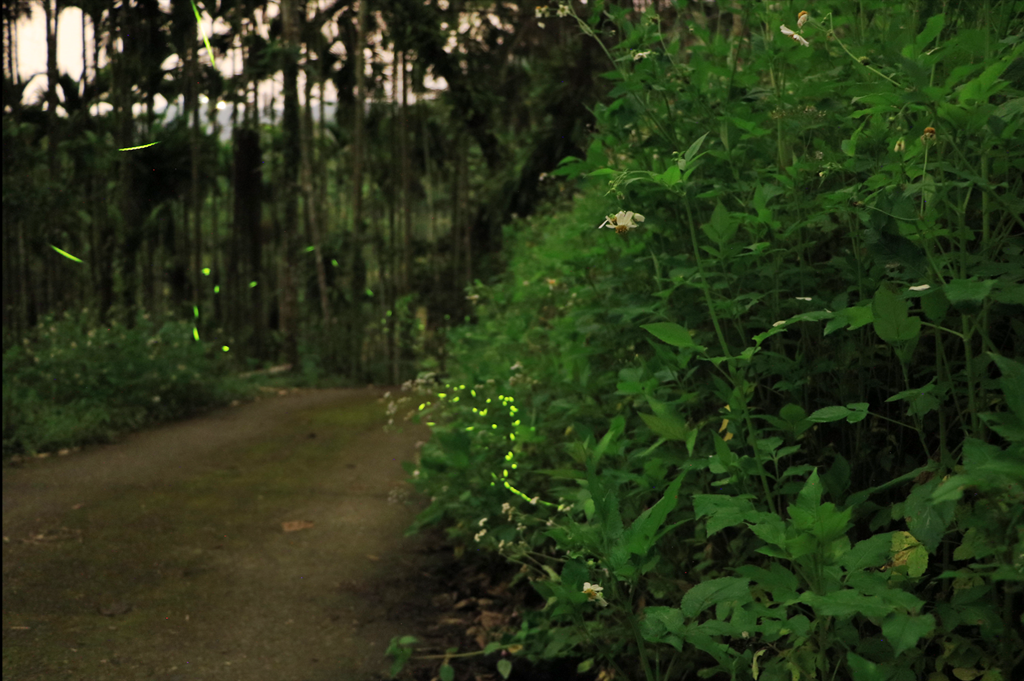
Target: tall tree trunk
290, 179
355, 341
310, 198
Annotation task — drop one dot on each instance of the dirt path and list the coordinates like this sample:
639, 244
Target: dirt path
164, 556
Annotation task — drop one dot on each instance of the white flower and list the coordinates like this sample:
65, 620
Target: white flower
534, 500
640, 55
780, 323
623, 221
515, 367
900, 147
482, 521
807, 299
922, 287
593, 592
802, 19
794, 35
479, 535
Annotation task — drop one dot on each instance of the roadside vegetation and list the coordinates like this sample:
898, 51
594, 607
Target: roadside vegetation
768, 423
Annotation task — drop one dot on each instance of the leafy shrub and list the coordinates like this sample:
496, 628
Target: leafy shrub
74, 383
776, 426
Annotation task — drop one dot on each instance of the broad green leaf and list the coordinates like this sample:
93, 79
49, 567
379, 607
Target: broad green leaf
846, 603
927, 520
663, 625
852, 317
908, 551
777, 579
714, 591
890, 317
723, 510
866, 670
868, 553
904, 631
931, 31
670, 333
504, 668
1012, 383
574, 573
967, 295
829, 414
810, 496
668, 427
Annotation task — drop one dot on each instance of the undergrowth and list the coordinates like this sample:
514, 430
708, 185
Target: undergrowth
770, 424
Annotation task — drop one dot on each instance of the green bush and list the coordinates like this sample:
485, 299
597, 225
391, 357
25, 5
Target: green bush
773, 427
73, 382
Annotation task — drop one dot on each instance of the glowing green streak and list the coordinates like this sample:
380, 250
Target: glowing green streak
65, 254
144, 146
206, 42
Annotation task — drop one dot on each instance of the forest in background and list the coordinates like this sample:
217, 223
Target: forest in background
351, 204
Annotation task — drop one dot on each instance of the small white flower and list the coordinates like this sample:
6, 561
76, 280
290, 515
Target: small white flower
807, 299
156, 399
641, 55
778, 323
515, 367
482, 521
534, 500
506, 507
922, 287
900, 147
794, 35
623, 221
479, 535
593, 592
563, 11
802, 19
473, 297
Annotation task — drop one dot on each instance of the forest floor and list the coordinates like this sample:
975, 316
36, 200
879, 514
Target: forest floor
261, 542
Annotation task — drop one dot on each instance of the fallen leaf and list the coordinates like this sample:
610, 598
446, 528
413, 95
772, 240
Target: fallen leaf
295, 525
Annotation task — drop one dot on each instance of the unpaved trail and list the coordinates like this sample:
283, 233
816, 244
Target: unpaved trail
163, 556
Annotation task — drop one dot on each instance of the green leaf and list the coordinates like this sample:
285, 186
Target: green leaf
967, 295
809, 498
670, 333
871, 552
931, 31
720, 228
891, 321
866, 670
846, 603
670, 177
668, 427
778, 580
714, 591
574, 573
829, 414
641, 535
723, 510
694, 148
852, 317
446, 672
927, 520
904, 631
1012, 383
505, 668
